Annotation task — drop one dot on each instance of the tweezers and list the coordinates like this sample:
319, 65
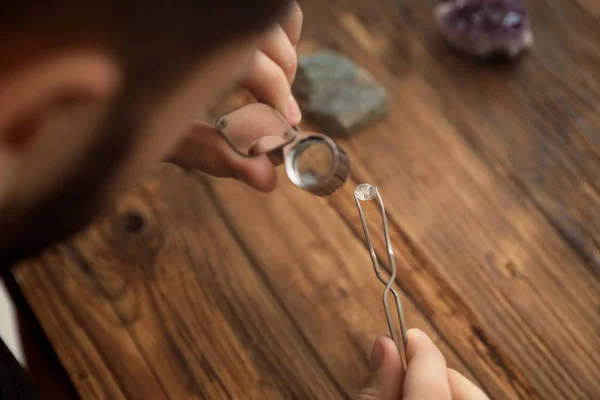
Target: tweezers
368, 192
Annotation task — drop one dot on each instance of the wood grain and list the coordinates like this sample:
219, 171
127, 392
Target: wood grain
323, 264
546, 105
202, 288
436, 166
171, 311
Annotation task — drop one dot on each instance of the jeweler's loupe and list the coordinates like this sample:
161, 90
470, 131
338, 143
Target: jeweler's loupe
313, 161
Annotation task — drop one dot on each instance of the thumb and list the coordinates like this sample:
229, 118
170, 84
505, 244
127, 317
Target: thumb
427, 376
206, 150
388, 373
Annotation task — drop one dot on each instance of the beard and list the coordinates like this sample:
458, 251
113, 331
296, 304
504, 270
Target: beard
28, 229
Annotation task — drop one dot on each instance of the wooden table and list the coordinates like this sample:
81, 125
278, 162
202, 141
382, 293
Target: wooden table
199, 288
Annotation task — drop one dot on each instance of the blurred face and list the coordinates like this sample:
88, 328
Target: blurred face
56, 169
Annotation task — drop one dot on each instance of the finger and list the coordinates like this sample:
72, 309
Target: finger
268, 84
292, 24
265, 144
386, 381
277, 47
426, 375
464, 389
206, 150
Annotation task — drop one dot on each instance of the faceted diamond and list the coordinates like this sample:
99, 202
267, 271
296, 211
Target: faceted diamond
365, 192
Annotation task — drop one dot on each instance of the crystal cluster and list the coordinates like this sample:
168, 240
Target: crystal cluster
485, 28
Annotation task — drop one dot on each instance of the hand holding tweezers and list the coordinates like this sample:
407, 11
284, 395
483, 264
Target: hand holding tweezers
367, 192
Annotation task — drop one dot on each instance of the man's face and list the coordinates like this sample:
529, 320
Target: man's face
44, 195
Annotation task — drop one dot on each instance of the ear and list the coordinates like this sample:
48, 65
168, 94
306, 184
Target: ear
33, 93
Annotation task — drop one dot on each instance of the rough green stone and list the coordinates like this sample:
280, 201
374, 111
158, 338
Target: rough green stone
336, 95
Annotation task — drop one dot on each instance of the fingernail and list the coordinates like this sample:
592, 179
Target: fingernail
377, 355
293, 110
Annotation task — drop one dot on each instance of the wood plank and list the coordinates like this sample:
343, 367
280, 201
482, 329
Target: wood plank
158, 310
322, 274
507, 262
75, 347
493, 247
465, 209
535, 121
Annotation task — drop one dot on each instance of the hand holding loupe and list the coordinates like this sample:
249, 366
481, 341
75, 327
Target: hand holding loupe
313, 162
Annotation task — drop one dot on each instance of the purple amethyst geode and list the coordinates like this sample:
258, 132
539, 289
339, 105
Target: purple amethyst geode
485, 28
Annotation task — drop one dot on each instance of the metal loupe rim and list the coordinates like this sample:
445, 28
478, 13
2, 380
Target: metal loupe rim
336, 176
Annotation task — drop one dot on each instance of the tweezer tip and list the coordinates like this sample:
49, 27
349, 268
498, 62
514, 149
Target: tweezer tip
365, 192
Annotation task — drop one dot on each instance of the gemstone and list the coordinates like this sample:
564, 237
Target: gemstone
336, 95
365, 192
484, 28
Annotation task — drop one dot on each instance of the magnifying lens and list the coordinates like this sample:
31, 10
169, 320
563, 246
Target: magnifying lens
313, 162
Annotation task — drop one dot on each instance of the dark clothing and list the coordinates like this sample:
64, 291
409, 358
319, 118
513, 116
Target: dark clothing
14, 381
48, 373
